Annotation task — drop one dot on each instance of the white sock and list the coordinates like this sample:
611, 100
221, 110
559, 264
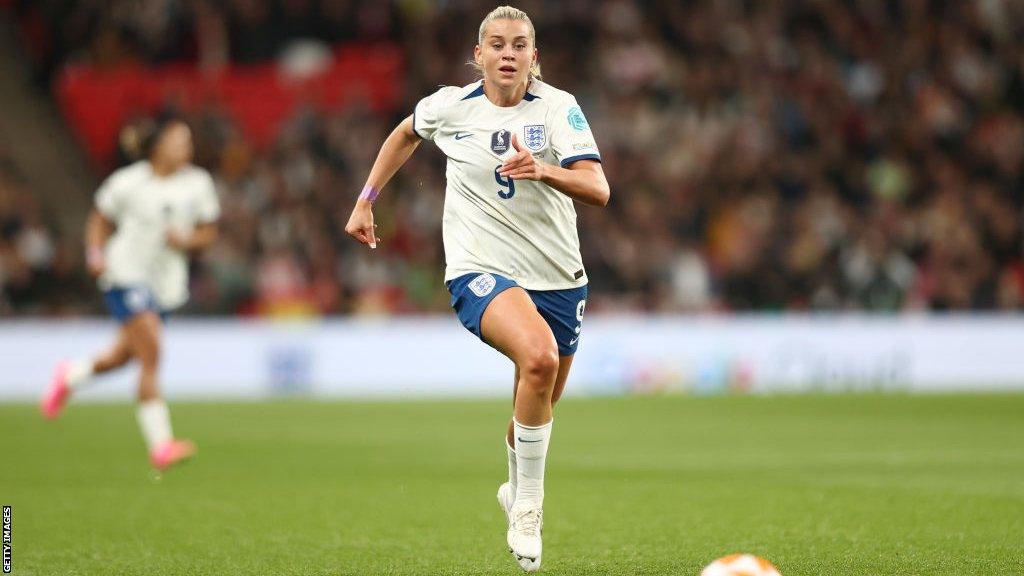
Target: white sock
511, 467
79, 373
155, 422
531, 451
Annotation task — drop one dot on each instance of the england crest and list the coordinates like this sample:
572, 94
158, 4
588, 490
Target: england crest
483, 285
534, 136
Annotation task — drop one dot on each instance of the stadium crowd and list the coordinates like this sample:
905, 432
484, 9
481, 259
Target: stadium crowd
785, 155
38, 270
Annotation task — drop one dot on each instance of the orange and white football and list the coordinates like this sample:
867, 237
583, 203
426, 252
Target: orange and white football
740, 565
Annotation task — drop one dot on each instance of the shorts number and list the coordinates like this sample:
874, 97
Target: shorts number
579, 315
505, 183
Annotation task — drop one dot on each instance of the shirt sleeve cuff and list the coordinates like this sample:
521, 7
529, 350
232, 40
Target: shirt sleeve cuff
414, 130
565, 163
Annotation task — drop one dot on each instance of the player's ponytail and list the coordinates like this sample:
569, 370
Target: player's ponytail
138, 140
508, 13
134, 138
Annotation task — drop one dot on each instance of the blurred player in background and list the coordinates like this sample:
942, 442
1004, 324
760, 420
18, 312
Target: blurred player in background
519, 152
149, 216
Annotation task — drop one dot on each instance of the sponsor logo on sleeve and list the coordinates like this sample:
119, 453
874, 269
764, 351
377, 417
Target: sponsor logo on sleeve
577, 120
534, 136
584, 146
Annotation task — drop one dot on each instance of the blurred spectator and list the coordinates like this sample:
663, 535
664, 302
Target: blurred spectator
39, 271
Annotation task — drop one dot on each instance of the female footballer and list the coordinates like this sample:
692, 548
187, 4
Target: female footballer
519, 153
148, 217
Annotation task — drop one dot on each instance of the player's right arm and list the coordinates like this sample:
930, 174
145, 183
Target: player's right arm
393, 154
97, 231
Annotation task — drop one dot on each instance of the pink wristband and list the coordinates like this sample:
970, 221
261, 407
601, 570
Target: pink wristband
369, 193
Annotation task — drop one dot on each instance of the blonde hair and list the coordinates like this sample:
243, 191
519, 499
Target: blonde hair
508, 13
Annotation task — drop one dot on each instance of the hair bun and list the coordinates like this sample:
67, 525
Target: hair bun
137, 138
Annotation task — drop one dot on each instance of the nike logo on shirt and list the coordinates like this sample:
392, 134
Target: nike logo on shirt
461, 135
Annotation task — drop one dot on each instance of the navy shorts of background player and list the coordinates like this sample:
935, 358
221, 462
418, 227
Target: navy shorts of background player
124, 302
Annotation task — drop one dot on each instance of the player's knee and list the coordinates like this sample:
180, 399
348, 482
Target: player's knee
115, 360
121, 356
540, 366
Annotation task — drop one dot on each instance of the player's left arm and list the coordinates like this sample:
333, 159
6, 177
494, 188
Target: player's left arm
583, 180
204, 233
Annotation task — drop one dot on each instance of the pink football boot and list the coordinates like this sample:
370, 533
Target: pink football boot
57, 394
171, 452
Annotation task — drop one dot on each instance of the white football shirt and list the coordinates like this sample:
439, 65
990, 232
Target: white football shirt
144, 207
522, 229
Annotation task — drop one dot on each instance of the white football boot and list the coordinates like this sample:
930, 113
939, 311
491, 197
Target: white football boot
524, 530
505, 499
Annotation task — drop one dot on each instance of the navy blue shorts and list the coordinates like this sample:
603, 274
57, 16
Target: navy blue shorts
124, 302
561, 309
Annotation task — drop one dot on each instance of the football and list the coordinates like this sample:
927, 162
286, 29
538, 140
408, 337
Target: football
740, 565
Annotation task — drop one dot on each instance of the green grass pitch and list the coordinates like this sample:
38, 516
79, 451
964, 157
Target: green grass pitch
820, 485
